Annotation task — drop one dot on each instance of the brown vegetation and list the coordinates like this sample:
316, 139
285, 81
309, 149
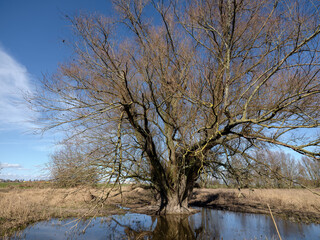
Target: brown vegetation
20, 207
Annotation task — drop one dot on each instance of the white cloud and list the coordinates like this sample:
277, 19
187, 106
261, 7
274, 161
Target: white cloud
14, 80
10, 165
14, 176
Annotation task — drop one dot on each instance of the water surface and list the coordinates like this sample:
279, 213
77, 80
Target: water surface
207, 224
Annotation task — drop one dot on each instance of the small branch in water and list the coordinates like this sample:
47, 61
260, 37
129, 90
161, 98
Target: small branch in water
274, 222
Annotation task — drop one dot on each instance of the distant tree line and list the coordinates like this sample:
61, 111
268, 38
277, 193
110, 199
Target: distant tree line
272, 169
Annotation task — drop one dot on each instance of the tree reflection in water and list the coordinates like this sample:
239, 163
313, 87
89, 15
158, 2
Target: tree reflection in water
175, 227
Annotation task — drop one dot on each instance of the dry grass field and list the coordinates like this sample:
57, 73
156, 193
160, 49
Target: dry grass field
20, 207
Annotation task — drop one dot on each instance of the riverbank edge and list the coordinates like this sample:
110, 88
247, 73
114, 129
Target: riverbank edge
140, 200
243, 202
297, 217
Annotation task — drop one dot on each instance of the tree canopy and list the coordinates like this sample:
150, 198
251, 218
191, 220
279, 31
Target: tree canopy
166, 90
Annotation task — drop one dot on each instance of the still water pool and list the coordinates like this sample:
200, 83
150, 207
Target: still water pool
206, 224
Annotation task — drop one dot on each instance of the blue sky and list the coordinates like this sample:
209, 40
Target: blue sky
31, 34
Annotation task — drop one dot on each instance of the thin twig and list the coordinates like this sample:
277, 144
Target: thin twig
274, 222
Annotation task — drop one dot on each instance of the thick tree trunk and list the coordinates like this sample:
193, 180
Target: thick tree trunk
176, 205
175, 200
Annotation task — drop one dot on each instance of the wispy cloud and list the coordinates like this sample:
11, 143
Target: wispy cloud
14, 80
10, 165
14, 171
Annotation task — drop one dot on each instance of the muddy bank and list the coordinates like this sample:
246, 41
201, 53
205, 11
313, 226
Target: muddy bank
297, 205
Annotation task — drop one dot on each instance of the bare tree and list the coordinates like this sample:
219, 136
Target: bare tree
275, 169
72, 166
311, 171
165, 84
